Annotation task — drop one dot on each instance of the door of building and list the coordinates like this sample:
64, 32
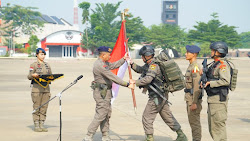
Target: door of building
67, 51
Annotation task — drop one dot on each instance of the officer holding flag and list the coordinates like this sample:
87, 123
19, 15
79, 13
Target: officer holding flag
102, 93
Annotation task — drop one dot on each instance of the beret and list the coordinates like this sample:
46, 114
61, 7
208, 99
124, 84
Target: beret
104, 49
193, 49
40, 50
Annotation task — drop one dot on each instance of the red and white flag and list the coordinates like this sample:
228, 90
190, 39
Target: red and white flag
118, 53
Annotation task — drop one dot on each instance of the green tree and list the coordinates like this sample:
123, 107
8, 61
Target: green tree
33, 40
23, 18
20, 19
85, 19
245, 40
104, 28
105, 25
213, 31
136, 31
166, 36
205, 51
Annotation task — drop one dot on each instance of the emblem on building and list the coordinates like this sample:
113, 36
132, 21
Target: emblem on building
69, 35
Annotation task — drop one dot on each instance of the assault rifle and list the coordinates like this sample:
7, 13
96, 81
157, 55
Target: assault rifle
161, 93
154, 87
203, 79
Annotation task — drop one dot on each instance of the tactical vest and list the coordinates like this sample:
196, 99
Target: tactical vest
234, 73
156, 81
222, 91
173, 77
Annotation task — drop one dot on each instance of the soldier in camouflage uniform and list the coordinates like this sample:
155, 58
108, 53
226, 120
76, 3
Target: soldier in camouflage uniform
102, 84
217, 89
193, 92
150, 72
39, 94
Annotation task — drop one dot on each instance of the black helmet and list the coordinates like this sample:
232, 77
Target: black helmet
147, 50
221, 47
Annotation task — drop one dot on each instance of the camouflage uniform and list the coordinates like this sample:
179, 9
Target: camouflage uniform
192, 96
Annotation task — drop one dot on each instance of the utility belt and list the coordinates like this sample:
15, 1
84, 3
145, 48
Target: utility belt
101, 87
98, 85
221, 91
191, 91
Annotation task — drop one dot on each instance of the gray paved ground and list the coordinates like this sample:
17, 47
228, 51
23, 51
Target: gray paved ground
78, 105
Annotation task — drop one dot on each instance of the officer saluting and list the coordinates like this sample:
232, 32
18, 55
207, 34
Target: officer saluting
151, 73
192, 91
102, 84
217, 89
39, 94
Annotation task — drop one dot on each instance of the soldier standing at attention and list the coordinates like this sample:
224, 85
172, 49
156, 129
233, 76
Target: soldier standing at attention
102, 93
217, 89
151, 73
193, 92
39, 94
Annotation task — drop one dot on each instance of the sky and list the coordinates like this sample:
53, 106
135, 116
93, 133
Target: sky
230, 12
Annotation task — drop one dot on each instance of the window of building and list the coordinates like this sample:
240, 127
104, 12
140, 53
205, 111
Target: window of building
168, 6
174, 6
167, 16
171, 6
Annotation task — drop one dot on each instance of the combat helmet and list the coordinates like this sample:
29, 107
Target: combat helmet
221, 47
147, 50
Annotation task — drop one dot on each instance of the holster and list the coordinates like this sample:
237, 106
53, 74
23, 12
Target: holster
103, 88
223, 94
191, 91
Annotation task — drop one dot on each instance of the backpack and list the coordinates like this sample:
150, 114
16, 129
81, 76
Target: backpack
233, 73
173, 77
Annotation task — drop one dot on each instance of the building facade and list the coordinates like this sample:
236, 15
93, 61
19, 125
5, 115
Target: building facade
64, 43
52, 24
238, 52
170, 12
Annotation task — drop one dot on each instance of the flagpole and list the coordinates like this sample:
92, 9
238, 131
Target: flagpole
129, 68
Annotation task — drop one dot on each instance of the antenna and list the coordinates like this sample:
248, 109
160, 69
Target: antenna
75, 12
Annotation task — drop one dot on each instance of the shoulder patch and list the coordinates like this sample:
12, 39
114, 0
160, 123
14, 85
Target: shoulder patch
152, 67
196, 69
223, 68
31, 68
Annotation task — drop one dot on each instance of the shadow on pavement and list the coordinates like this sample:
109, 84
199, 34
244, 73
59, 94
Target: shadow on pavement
245, 120
120, 137
46, 126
